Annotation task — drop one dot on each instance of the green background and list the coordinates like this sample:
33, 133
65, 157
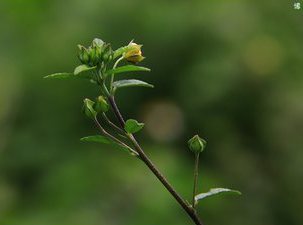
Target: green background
230, 71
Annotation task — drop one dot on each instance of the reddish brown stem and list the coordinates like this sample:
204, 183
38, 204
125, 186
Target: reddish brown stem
187, 207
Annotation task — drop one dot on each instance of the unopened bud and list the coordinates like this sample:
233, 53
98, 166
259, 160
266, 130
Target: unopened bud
97, 54
101, 105
196, 144
134, 55
107, 53
98, 43
88, 109
93, 56
83, 54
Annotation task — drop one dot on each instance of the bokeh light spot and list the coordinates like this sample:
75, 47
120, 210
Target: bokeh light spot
164, 120
263, 55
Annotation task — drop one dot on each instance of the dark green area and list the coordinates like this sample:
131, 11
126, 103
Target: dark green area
230, 71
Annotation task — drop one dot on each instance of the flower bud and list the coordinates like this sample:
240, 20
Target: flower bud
93, 56
98, 43
101, 105
196, 144
134, 55
83, 54
97, 54
88, 109
107, 53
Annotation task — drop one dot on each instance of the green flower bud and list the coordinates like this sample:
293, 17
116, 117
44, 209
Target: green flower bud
196, 144
101, 105
88, 109
98, 46
107, 53
98, 43
80, 53
83, 54
93, 56
99, 53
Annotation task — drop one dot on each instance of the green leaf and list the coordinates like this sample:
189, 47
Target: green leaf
215, 191
127, 68
98, 138
78, 73
83, 68
132, 126
60, 76
105, 140
131, 83
121, 50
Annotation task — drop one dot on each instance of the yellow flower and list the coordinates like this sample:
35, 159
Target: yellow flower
135, 54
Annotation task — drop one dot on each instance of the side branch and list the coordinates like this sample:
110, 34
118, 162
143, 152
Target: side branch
188, 208
114, 138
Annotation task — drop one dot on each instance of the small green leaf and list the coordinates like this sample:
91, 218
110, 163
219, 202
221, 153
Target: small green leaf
132, 126
60, 76
105, 140
131, 83
83, 68
98, 138
215, 191
127, 68
121, 50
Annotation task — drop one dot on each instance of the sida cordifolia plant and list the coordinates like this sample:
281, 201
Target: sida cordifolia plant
99, 64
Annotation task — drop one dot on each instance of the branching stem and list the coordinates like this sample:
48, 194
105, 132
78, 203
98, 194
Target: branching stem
145, 159
112, 124
114, 138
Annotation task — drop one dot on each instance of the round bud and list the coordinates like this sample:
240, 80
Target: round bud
101, 105
88, 109
83, 54
135, 54
93, 56
196, 144
98, 43
107, 53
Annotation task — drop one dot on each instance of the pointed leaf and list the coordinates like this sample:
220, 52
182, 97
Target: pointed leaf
131, 83
83, 68
127, 68
60, 76
132, 126
215, 191
98, 138
105, 140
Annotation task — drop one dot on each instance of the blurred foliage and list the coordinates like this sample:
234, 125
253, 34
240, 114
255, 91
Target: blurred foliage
230, 71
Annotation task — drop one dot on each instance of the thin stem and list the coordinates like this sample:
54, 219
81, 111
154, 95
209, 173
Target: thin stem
189, 210
116, 111
112, 124
114, 138
104, 89
113, 75
196, 170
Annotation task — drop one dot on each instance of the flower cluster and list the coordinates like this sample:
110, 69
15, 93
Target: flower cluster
97, 54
